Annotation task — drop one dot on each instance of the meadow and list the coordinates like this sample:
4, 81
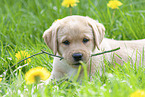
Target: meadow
22, 23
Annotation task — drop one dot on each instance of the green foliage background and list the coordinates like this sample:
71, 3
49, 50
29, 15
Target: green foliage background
22, 23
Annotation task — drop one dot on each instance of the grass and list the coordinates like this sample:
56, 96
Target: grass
22, 23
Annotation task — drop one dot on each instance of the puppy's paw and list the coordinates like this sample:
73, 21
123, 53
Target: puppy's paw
48, 81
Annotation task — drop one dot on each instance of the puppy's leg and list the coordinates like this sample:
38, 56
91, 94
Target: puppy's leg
55, 75
59, 71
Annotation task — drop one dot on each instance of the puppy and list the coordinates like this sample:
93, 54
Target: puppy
75, 38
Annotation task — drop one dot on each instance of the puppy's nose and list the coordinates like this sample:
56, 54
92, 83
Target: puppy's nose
77, 56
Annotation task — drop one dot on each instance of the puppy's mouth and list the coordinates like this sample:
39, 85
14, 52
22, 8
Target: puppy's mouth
77, 64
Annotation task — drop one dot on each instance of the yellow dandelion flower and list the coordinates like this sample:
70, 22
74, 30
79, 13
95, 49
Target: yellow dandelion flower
21, 55
34, 75
69, 3
0, 79
138, 93
114, 4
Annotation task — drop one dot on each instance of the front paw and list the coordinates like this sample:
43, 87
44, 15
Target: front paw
48, 81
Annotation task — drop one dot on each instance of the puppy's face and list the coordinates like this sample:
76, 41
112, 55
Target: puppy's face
75, 42
74, 38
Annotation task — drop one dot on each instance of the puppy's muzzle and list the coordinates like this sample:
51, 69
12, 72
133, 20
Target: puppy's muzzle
77, 57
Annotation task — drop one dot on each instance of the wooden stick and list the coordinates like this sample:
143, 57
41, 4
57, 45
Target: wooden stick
42, 52
105, 52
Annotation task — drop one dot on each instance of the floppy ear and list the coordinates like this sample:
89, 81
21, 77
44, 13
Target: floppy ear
50, 38
98, 31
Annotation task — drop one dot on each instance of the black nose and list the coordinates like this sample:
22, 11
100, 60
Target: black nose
77, 56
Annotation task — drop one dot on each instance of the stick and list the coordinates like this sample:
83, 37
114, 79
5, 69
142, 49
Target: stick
29, 57
105, 52
52, 54
42, 52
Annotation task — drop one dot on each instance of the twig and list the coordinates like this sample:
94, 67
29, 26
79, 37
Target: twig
30, 57
42, 52
52, 54
105, 52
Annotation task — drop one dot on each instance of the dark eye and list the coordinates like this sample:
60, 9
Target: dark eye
66, 42
85, 40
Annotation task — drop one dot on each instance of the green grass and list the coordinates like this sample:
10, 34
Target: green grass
22, 23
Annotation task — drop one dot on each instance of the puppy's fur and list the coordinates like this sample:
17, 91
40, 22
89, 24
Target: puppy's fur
77, 37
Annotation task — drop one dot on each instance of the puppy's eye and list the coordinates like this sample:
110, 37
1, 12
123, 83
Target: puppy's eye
85, 40
66, 42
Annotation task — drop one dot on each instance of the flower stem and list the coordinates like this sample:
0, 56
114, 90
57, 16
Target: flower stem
70, 10
113, 17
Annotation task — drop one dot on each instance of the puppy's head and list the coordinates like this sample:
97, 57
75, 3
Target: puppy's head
74, 38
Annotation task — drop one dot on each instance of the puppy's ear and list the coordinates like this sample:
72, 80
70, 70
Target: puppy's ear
50, 38
98, 31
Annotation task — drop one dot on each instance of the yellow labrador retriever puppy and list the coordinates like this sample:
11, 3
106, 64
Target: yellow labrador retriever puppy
75, 38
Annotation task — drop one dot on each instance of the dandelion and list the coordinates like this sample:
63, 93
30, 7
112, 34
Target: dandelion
138, 93
69, 3
34, 75
114, 4
0, 79
21, 55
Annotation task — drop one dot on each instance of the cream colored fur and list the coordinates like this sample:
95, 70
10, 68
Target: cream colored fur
74, 29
